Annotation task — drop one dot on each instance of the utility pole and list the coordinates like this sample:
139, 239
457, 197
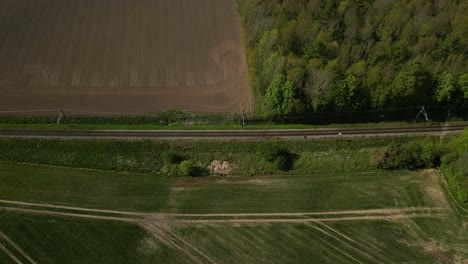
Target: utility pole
61, 116
422, 112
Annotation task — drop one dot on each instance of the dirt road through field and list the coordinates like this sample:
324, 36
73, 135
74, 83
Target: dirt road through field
16, 247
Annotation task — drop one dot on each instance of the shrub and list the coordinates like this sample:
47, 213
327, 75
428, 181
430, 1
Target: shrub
282, 158
411, 156
189, 168
455, 167
171, 157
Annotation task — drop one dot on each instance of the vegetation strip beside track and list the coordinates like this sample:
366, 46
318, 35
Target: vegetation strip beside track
132, 134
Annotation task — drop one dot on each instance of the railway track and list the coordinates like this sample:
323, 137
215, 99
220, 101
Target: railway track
230, 134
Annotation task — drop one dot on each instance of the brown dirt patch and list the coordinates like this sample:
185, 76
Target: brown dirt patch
438, 253
122, 57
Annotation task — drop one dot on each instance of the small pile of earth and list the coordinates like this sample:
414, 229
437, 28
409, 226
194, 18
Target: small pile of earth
218, 167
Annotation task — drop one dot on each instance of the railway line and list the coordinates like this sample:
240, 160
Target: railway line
230, 134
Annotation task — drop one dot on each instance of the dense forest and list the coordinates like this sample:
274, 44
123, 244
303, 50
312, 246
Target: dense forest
346, 55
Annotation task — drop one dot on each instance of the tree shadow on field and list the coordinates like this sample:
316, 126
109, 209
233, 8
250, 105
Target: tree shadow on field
280, 157
285, 161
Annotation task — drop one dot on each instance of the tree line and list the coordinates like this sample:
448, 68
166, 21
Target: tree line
345, 55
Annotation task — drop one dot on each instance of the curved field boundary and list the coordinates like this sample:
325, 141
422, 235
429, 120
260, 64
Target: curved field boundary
456, 206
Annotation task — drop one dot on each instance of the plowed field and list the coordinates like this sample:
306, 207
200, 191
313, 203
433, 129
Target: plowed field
122, 57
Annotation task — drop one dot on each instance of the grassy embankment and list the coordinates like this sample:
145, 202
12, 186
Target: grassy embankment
314, 156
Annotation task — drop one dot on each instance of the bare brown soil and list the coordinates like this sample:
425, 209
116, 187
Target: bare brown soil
122, 57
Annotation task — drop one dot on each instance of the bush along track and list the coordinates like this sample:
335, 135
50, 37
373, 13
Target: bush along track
451, 156
249, 157
455, 167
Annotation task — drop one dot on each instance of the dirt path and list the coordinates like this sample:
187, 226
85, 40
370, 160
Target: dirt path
54, 213
335, 247
309, 220
347, 244
45, 205
152, 219
369, 211
173, 241
351, 240
154, 223
15, 246
371, 214
9, 254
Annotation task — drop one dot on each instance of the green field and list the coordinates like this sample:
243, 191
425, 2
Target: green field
383, 217
311, 193
80, 187
57, 239
337, 242
263, 194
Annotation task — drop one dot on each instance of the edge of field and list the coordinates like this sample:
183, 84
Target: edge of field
181, 126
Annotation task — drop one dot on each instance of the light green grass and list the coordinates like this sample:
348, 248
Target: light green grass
140, 192
82, 188
311, 193
48, 239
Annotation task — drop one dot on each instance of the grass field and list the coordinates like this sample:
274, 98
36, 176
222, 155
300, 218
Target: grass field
328, 218
115, 57
267, 194
338, 242
311, 193
85, 188
73, 240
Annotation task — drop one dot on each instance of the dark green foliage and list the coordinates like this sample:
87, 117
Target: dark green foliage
280, 96
280, 157
190, 168
455, 167
401, 53
410, 156
172, 157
